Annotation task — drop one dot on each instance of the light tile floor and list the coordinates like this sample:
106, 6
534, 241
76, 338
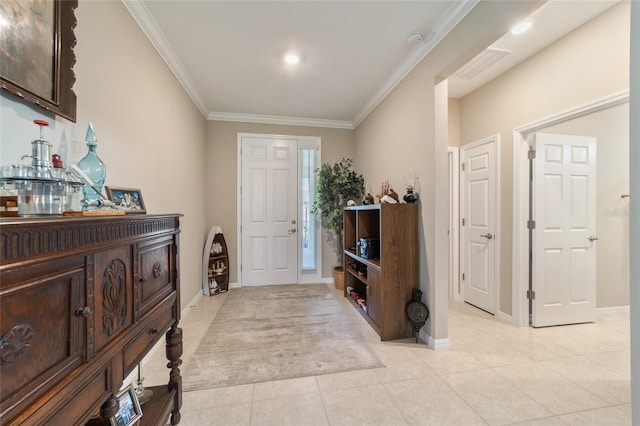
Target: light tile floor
494, 374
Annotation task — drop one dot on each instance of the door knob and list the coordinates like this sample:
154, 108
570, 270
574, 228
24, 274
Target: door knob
293, 222
592, 238
83, 312
292, 231
487, 236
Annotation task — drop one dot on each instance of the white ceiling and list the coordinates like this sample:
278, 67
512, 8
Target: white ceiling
228, 55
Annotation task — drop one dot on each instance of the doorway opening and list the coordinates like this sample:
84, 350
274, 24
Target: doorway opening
521, 202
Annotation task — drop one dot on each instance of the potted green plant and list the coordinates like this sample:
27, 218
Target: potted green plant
336, 184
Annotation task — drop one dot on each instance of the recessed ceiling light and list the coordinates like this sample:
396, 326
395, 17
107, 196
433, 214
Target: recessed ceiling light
292, 58
522, 27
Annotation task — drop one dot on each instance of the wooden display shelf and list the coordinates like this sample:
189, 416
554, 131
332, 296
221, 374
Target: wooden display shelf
217, 257
156, 411
357, 275
215, 282
391, 278
375, 263
364, 315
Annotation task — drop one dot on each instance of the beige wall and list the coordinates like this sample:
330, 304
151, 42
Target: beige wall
611, 128
588, 64
454, 122
401, 133
150, 135
221, 167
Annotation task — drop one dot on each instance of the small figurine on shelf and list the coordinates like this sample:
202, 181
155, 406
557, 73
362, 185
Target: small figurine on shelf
412, 186
410, 197
216, 248
387, 194
213, 285
368, 199
219, 267
144, 395
393, 194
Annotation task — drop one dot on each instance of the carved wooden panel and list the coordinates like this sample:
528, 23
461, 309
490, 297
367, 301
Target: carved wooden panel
40, 335
154, 280
114, 297
112, 292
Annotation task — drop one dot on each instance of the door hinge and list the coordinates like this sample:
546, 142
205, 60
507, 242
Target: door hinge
463, 221
531, 295
531, 154
531, 224
462, 165
463, 276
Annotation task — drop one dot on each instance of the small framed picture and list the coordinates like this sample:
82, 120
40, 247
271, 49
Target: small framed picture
127, 199
129, 412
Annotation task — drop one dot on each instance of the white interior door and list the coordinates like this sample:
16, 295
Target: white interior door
455, 293
269, 211
479, 199
564, 249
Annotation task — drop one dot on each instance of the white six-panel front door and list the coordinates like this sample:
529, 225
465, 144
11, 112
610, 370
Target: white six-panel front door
269, 211
564, 248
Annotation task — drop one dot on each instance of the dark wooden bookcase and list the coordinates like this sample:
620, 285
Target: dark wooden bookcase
384, 284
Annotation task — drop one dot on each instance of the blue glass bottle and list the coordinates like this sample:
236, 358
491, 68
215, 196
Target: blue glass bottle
93, 166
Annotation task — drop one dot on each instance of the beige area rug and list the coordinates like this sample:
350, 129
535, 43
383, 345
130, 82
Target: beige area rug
277, 332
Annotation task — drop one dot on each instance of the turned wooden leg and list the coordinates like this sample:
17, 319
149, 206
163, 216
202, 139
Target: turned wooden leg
174, 352
110, 407
107, 410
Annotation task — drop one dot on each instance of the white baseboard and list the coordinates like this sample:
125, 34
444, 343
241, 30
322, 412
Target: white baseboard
504, 317
193, 302
234, 285
435, 344
327, 280
613, 310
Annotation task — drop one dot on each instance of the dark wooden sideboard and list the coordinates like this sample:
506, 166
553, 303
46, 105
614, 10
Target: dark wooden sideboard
82, 300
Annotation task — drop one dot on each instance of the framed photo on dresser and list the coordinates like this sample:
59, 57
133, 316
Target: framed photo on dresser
129, 412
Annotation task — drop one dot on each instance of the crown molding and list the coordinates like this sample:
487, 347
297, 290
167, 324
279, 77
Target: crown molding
147, 24
450, 19
275, 119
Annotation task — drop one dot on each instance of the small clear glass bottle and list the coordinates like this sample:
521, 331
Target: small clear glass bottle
93, 166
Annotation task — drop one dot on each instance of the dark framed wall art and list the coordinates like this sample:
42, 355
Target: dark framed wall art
36, 53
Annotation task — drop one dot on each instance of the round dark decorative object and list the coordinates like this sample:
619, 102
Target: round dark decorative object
15, 342
417, 312
410, 197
